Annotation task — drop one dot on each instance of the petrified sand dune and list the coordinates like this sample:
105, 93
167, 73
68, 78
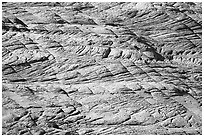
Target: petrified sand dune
102, 68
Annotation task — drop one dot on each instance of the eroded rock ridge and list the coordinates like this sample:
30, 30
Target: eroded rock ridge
102, 68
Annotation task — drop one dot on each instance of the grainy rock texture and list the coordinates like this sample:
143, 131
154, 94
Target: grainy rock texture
102, 68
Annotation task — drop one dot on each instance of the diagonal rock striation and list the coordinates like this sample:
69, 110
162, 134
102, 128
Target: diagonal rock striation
86, 68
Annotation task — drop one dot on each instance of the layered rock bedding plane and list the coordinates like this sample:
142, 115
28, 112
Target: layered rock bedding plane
101, 68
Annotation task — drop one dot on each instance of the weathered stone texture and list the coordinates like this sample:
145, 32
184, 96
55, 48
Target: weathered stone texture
102, 68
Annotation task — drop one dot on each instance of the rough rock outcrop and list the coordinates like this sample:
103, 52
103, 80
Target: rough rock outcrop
101, 68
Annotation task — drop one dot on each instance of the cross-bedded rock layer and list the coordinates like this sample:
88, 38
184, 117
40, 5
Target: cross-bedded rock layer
102, 68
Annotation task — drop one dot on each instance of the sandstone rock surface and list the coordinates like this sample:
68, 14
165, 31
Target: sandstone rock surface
85, 68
